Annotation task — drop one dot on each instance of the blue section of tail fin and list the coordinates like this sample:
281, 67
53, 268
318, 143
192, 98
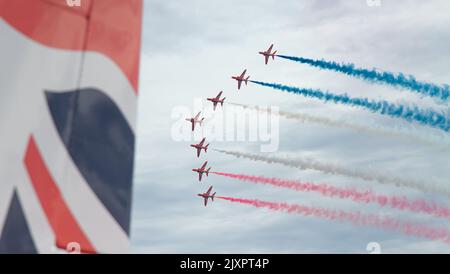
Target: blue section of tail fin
16, 237
101, 144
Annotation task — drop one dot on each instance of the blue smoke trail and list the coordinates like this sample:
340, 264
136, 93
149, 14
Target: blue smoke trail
425, 117
397, 80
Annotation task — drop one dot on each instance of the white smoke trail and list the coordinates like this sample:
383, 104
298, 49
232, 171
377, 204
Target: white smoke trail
307, 118
308, 163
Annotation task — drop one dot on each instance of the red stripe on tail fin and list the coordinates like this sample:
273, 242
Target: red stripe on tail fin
62, 221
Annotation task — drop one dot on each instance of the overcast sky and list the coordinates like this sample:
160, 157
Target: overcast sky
191, 48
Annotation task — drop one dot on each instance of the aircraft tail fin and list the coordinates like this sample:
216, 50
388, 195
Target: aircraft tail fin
48, 216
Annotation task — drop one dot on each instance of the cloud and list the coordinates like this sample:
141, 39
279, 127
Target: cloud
190, 50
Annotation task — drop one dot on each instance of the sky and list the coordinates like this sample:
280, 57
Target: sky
191, 48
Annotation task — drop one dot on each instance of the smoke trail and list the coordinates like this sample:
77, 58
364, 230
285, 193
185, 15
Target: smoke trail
307, 163
302, 117
397, 80
397, 202
355, 218
426, 117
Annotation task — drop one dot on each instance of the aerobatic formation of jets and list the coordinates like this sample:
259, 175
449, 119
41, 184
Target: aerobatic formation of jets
207, 195
268, 53
198, 120
200, 146
195, 120
241, 78
216, 100
202, 170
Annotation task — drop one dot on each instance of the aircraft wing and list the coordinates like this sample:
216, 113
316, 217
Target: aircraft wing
206, 201
62, 180
243, 73
193, 125
200, 176
218, 96
209, 190
267, 58
239, 84
202, 141
198, 152
270, 48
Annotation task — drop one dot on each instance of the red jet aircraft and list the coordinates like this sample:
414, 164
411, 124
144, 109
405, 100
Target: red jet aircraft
216, 100
200, 146
268, 54
202, 170
241, 78
207, 195
195, 120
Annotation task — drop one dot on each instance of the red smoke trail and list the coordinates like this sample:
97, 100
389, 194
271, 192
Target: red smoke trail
355, 218
397, 202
